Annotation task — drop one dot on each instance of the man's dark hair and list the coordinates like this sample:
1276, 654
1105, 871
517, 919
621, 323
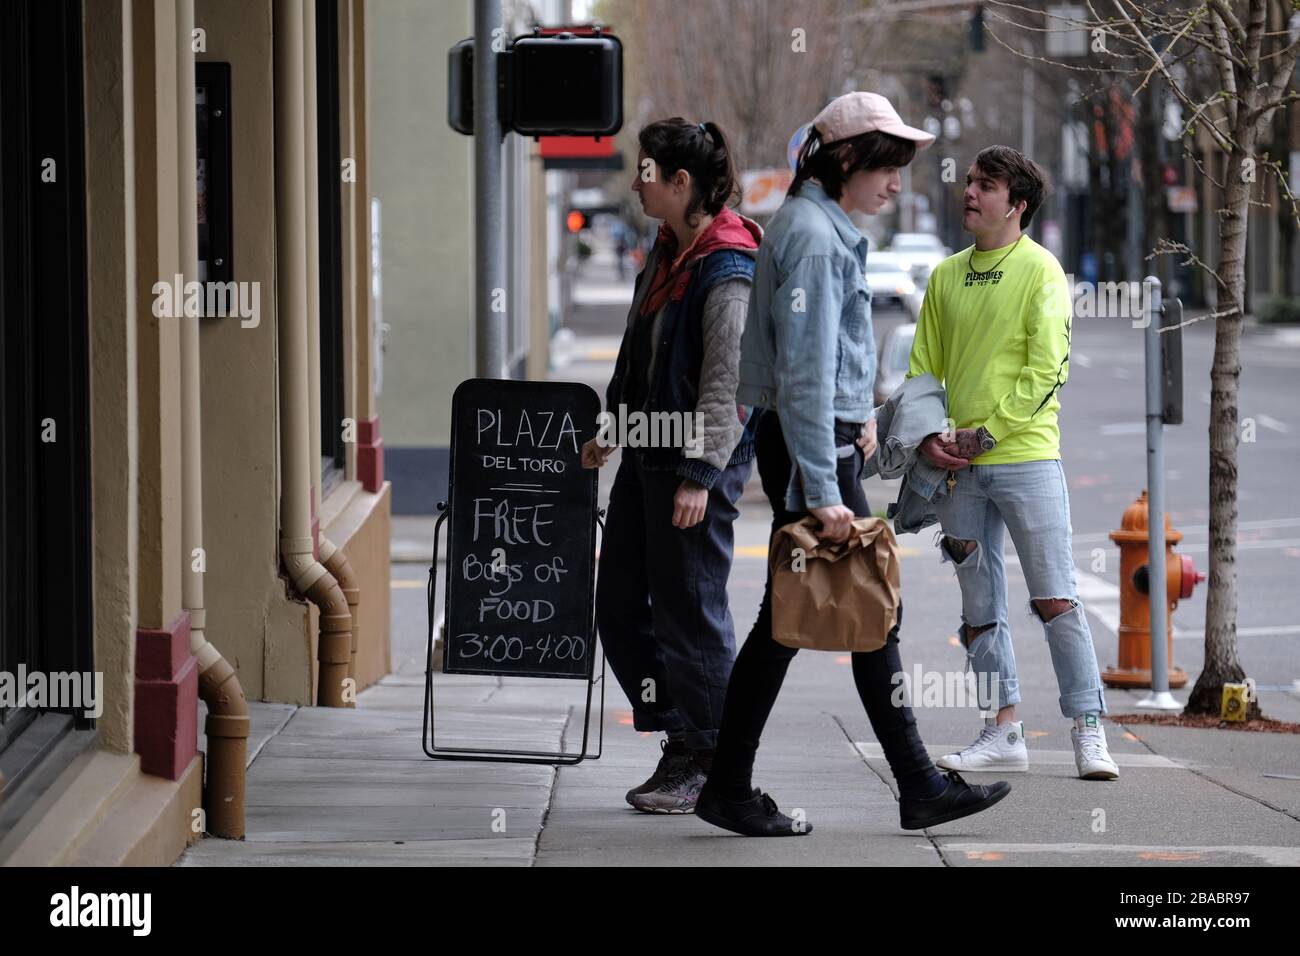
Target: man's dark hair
1026, 181
825, 161
701, 149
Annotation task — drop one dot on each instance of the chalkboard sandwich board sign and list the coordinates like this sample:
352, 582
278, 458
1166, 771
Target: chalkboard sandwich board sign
522, 539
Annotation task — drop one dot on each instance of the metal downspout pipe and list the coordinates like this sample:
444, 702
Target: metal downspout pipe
308, 575
227, 722
330, 554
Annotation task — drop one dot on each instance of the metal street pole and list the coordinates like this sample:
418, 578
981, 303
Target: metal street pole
1159, 698
489, 197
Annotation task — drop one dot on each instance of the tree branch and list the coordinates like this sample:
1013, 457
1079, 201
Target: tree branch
1282, 75
1155, 66
1168, 247
1226, 16
1276, 167
1227, 78
1188, 154
1174, 86
1264, 114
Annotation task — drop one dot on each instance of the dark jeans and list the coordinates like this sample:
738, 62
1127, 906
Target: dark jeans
661, 601
760, 668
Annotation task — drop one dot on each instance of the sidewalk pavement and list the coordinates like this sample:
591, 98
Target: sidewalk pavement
330, 787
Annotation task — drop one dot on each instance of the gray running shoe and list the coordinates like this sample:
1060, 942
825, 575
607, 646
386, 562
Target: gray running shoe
676, 794
675, 757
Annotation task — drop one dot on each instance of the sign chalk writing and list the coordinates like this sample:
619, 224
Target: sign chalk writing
521, 549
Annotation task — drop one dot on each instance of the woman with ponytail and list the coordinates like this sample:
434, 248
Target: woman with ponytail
661, 595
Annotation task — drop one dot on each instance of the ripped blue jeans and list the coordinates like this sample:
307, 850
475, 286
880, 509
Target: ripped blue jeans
1030, 500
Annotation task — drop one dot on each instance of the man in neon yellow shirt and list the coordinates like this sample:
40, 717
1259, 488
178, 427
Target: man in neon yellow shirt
995, 329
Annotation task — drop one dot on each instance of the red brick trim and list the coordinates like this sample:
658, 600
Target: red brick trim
370, 454
166, 699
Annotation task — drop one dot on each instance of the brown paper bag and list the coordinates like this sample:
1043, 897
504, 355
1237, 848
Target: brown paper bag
845, 598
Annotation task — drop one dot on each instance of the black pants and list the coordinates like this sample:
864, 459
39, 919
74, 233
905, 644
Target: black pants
761, 665
661, 601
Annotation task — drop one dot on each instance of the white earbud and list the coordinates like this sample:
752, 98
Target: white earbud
1010, 213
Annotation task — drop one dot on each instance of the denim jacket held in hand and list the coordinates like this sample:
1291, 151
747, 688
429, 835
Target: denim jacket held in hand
808, 350
917, 409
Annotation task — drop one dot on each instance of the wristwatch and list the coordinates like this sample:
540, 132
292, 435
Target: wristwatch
987, 441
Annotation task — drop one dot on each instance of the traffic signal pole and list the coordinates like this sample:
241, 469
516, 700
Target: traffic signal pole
489, 197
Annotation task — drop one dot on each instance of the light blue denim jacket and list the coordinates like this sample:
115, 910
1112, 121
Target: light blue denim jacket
917, 409
808, 350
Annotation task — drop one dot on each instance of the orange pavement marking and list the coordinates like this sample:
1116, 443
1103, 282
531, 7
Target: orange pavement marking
760, 551
1165, 856
984, 855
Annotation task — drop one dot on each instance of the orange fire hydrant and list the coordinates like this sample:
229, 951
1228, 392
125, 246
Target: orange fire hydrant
1181, 577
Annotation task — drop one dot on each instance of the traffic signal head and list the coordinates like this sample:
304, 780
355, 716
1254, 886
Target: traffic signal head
548, 85
567, 85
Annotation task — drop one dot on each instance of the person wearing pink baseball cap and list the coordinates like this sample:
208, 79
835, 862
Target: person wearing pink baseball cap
808, 358
856, 114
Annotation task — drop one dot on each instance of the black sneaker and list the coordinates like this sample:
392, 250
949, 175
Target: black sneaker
676, 757
959, 799
757, 816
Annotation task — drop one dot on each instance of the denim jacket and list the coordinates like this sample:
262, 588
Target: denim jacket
675, 375
916, 410
808, 349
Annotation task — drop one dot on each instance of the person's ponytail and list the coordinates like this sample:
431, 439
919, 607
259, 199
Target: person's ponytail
803, 170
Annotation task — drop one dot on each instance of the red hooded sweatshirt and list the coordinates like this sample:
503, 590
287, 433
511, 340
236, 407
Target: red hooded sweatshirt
729, 230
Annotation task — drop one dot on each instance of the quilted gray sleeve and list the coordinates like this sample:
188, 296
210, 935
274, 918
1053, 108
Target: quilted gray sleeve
724, 321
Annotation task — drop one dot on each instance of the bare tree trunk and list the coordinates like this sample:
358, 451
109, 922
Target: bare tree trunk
1222, 663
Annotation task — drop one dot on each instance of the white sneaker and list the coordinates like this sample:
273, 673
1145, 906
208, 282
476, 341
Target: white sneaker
1090, 753
998, 747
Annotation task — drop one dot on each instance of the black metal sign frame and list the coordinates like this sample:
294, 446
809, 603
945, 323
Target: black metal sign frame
447, 510
495, 755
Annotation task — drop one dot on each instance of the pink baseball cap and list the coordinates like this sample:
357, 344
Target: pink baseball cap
856, 113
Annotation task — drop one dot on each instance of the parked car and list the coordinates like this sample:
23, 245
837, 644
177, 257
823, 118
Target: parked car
891, 363
888, 281
918, 253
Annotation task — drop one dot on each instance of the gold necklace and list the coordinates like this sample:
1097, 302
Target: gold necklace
970, 261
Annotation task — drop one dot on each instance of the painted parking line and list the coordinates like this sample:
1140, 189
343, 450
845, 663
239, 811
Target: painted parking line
1100, 599
870, 750
1280, 630
1265, 524
1123, 428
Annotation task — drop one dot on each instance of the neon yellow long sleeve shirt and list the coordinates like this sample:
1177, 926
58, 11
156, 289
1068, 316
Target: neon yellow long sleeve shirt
999, 340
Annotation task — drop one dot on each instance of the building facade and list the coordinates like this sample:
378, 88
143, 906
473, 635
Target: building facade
194, 505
